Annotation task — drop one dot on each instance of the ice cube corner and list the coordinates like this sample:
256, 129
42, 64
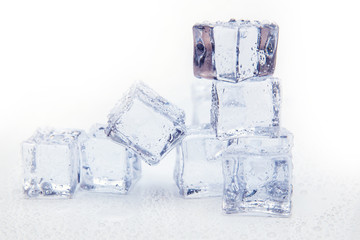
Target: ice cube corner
106, 165
234, 51
51, 160
258, 175
250, 107
146, 123
197, 172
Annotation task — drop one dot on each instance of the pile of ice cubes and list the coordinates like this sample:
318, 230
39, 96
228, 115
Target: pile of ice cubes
234, 148
142, 126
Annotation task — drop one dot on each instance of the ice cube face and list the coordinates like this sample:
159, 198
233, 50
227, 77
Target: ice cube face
201, 101
106, 165
51, 161
197, 171
257, 175
249, 107
235, 50
146, 123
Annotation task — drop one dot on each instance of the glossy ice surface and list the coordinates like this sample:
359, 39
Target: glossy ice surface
51, 162
197, 172
146, 123
106, 165
235, 50
246, 108
257, 175
201, 101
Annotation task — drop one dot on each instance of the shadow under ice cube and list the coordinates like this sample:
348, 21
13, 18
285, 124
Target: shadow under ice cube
235, 50
257, 175
249, 107
51, 161
106, 165
197, 172
146, 123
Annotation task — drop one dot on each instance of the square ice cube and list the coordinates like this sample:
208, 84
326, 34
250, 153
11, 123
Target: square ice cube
197, 172
201, 101
146, 123
257, 175
235, 50
51, 161
246, 108
106, 165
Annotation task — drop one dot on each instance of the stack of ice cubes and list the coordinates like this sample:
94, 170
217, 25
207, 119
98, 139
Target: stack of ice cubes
235, 147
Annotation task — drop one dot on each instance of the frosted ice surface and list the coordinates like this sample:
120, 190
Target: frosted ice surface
106, 165
257, 175
246, 108
51, 161
146, 123
235, 50
197, 172
201, 101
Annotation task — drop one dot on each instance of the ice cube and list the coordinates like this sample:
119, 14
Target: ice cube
257, 175
197, 172
106, 165
246, 108
201, 101
235, 50
146, 123
51, 161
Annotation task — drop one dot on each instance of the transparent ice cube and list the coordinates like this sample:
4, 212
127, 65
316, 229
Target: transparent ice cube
197, 172
51, 161
146, 123
235, 50
249, 107
201, 101
257, 175
106, 165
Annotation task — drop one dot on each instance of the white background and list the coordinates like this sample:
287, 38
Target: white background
66, 63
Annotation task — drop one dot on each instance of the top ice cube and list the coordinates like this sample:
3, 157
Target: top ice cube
146, 123
235, 50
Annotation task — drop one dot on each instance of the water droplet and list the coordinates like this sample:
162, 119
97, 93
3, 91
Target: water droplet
261, 57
